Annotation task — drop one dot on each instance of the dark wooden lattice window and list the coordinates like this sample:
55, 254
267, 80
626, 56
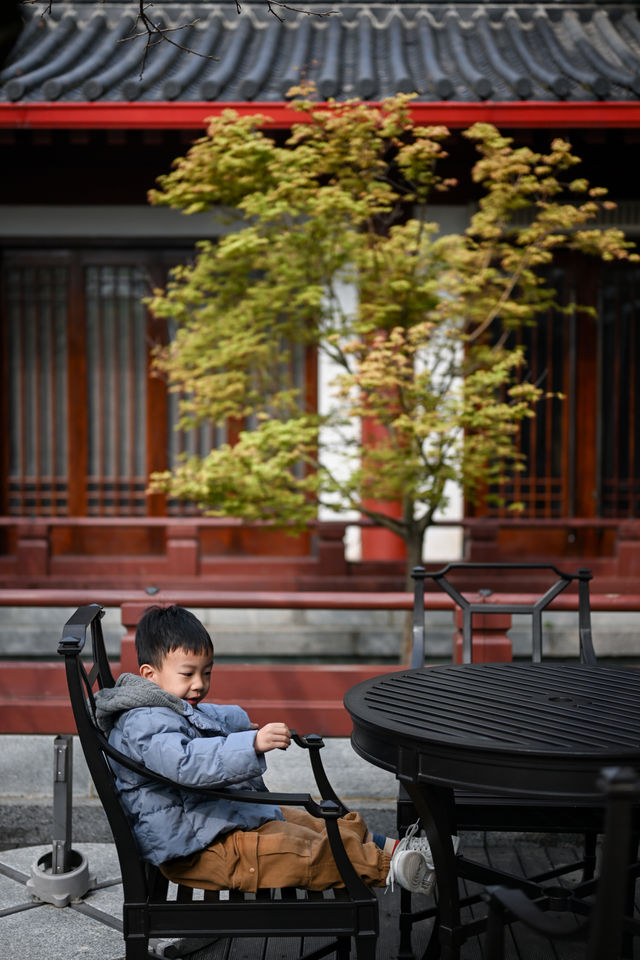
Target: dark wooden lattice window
85, 422
582, 449
35, 377
86, 419
619, 393
543, 488
116, 346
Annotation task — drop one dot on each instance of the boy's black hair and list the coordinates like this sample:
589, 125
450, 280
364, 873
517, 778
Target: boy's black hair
163, 629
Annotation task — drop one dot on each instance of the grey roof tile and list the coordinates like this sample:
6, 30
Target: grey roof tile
488, 50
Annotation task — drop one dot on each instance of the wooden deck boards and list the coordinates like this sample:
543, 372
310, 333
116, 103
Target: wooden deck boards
517, 854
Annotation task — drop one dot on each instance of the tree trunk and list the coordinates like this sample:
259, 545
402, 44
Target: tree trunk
415, 543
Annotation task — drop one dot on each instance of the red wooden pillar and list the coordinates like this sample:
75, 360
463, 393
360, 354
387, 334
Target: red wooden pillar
377, 542
489, 640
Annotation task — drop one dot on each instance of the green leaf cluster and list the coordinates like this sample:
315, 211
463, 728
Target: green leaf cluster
421, 349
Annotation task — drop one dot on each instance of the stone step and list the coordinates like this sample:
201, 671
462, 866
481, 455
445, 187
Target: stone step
317, 635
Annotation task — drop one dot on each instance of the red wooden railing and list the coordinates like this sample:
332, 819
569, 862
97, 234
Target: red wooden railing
123, 552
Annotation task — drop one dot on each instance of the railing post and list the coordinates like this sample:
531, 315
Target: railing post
629, 548
130, 613
490, 643
331, 558
183, 549
33, 549
482, 542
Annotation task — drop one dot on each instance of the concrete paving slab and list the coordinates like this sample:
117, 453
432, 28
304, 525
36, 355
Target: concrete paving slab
27, 767
353, 779
12, 892
27, 771
46, 932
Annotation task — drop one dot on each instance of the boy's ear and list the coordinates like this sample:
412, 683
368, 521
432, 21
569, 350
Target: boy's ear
147, 671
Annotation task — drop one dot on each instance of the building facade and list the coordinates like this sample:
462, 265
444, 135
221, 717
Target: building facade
85, 131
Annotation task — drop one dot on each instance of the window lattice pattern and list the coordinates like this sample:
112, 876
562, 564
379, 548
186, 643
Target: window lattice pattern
620, 393
116, 390
36, 312
543, 486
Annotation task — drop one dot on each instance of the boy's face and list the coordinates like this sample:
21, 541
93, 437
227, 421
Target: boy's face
185, 674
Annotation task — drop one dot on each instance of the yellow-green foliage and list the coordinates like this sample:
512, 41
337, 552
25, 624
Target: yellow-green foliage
344, 201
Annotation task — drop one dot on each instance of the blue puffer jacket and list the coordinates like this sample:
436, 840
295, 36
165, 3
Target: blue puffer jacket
208, 746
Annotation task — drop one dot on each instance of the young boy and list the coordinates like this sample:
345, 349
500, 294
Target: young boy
159, 719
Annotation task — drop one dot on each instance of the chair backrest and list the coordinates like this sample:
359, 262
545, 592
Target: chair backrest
607, 921
141, 881
83, 676
621, 787
491, 572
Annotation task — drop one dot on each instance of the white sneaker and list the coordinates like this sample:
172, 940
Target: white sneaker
412, 863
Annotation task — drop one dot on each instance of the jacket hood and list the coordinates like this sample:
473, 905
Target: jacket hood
131, 691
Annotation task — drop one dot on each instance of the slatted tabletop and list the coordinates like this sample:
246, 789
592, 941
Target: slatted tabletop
536, 729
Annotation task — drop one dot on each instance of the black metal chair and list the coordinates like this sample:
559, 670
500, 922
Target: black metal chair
604, 925
149, 909
499, 813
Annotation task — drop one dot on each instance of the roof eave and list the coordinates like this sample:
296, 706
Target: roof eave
280, 115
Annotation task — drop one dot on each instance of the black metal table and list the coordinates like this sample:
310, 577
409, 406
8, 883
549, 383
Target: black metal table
531, 730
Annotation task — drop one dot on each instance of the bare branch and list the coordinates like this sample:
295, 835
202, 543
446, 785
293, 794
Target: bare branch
153, 30
271, 4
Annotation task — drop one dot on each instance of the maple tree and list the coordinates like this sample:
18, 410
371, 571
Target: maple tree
420, 347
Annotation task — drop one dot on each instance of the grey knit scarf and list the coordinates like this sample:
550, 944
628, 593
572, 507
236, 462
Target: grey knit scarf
131, 691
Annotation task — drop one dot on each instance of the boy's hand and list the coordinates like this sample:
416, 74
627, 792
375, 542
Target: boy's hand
273, 736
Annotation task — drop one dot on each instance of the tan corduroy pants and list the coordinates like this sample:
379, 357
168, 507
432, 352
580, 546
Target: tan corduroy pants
293, 852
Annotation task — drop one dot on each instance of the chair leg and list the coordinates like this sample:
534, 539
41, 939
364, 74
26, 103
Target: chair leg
405, 951
589, 856
494, 936
137, 948
366, 946
433, 950
343, 950
626, 950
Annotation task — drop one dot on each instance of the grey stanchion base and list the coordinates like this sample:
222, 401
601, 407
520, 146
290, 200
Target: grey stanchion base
60, 889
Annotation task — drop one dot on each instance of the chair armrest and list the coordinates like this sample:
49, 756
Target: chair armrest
314, 744
332, 808
245, 796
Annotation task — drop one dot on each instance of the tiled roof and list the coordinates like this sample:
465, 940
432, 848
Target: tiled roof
465, 52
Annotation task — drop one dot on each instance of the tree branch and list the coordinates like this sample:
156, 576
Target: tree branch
154, 30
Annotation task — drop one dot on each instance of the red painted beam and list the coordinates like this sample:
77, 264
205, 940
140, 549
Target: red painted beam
193, 115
